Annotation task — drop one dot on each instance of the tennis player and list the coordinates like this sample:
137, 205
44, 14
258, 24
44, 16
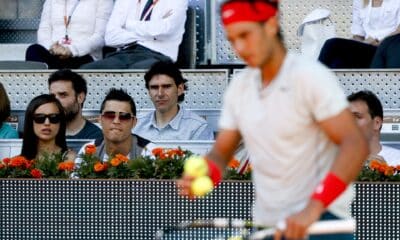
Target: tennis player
293, 116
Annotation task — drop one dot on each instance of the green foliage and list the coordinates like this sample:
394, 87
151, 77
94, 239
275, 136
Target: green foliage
382, 173
233, 174
48, 165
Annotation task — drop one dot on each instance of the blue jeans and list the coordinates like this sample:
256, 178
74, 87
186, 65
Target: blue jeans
329, 216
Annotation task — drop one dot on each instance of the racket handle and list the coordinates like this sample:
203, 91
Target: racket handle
327, 227
333, 226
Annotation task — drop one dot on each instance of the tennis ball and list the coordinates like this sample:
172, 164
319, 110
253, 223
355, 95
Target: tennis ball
195, 166
201, 186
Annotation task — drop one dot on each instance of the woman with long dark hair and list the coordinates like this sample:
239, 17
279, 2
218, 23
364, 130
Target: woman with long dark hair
44, 129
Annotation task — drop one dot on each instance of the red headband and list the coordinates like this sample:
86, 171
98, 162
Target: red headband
240, 11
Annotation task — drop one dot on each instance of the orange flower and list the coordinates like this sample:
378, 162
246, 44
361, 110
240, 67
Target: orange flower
157, 151
28, 164
36, 173
66, 166
389, 171
18, 161
234, 163
122, 157
99, 167
90, 149
174, 153
377, 165
6, 161
163, 156
2, 165
115, 162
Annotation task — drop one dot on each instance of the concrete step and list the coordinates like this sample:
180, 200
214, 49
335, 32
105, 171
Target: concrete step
13, 51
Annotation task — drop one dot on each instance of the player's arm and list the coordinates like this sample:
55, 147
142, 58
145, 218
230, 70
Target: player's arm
353, 147
224, 147
353, 150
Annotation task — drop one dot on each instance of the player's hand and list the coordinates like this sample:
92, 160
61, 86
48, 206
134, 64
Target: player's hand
55, 49
64, 53
297, 224
184, 186
372, 41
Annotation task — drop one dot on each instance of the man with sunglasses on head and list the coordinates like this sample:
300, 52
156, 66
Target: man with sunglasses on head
70, 89
117, 119
170, 121
293, 116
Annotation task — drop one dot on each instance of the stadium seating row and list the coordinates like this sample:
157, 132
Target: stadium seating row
204, 41
206, 88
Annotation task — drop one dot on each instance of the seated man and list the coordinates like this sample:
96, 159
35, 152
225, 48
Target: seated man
70, 89
143, 32
368, 112
169, 120
117, 119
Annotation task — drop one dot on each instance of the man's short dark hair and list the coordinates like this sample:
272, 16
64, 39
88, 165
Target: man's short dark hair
374, 104
167, 68
119, 95
78, 82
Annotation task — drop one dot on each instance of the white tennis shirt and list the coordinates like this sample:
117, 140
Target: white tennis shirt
289, 152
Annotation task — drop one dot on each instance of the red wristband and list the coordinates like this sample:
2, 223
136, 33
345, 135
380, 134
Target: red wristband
329, 189
214, 172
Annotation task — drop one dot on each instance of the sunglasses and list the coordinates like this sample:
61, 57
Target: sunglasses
122, 116
41, 118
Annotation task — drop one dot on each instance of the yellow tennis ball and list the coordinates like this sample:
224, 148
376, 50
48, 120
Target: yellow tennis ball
196, 166
201, 186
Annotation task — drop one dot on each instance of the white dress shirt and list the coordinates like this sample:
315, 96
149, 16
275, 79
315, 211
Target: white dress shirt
162, 33
86, 28
375, 22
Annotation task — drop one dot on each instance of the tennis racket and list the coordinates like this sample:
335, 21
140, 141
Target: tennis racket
237, 229
218, 228
320, 228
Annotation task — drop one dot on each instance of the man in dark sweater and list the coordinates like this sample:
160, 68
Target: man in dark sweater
70, 89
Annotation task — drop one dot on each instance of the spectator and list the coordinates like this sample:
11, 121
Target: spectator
143, 32
293, 116
44, 128
70, 89
6, 131
367, 109
170, 121
373, 21
71, 33
387, 55
118, 118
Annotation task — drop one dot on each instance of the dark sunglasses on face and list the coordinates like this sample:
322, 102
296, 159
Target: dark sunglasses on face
41, 118
122, 116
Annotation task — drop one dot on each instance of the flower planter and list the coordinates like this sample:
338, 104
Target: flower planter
376, 208
109, 209
136, 209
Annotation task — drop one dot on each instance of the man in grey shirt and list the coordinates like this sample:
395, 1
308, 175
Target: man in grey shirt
169, 121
